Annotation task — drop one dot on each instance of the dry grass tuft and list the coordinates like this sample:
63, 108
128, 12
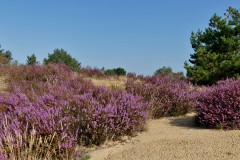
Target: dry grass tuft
16, 146
111, 82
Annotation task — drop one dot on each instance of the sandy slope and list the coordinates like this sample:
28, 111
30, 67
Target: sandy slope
175, 138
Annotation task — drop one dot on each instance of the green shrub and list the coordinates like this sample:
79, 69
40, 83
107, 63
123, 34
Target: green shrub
167, 71
115, 72
61, 56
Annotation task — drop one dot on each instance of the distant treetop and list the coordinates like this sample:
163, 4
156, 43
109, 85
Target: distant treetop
32, 60
116, 71
61, 56
167, 71
5, 56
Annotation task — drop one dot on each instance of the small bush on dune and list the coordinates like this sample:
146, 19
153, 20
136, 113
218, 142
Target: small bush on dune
109, 115
218, 106
167, 96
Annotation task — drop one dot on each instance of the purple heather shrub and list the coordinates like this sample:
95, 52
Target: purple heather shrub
167, 96
131, 75
92, 72
94, 116
31, 78
2, 157
219, 105
36, 87
47, 115
110, 115
39, 73
73, 108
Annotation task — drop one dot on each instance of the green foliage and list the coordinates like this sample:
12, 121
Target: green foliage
120, 71
61, 56
5, 56
116, 71
32, 60
109, 72
164, 71
85, 157
167, 71
216, 50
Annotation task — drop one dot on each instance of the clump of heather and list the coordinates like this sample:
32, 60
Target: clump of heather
47, 115
167, 96
3, 157
89, 117
37, 79
32, 77
131, 75
38, 73
74, 109
92, 72
218, 105
108, 115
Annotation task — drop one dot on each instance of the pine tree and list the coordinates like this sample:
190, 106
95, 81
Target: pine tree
216, 50
32, 60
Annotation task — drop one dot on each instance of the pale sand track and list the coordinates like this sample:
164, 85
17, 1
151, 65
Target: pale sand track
175, 138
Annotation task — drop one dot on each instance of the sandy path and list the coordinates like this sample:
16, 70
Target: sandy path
175, 138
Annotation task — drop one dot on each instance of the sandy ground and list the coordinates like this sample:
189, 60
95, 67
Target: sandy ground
174, 138
3, 85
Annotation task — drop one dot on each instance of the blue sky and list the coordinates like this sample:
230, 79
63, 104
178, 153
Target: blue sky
138, 35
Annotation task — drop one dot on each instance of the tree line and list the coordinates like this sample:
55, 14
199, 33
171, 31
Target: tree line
58, 56
61, 56
216, 53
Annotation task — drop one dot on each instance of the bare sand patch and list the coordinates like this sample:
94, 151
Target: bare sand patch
174, 138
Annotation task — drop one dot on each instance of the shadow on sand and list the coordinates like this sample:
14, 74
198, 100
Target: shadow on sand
188, 121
